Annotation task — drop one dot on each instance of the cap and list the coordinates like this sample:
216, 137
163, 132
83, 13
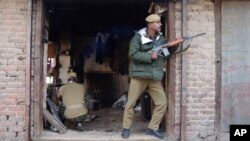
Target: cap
152, 18
72, 74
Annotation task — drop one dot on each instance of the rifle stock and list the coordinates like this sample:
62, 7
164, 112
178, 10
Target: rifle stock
173, 43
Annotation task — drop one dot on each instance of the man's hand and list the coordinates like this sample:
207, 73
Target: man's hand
154, 55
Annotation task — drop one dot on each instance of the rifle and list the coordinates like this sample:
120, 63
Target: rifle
53, 109
159, 49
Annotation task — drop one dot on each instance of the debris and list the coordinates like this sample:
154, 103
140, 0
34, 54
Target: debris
54, 121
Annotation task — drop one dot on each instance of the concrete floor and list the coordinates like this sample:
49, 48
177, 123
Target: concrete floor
107, 128
111, 120
70, 135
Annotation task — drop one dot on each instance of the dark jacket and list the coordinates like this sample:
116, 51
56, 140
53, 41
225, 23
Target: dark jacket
141, 65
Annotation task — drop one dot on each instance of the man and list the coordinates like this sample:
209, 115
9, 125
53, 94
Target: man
146, 71
72, 95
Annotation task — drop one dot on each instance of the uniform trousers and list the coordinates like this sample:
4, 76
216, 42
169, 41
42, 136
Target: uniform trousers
156, 91
79, 119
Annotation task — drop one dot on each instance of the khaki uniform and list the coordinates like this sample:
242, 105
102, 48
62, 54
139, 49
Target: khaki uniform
156, 91
73, 100
145, 73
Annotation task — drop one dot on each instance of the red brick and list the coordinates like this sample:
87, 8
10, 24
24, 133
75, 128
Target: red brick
2, 108
10, 67
16, 129
16, 108
3, 129
10, 102
15, 96
7, 123
20, 113
10, 113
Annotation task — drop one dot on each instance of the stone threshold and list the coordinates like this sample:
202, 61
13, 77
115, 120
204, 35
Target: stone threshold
71, 135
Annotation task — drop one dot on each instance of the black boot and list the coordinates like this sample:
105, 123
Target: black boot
125, 133
80, 127
155, 133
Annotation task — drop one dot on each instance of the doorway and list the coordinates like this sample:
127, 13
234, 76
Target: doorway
73, 30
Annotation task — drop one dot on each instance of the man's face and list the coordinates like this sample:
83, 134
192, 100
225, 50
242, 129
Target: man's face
155, 26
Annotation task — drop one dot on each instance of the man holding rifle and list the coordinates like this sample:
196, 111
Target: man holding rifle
148, 51
146, 71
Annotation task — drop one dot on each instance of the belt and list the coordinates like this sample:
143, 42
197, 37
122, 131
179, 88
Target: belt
74, 106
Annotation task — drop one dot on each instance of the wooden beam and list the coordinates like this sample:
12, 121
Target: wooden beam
183, 73
170, 77
38, 70
217, 14
28, 70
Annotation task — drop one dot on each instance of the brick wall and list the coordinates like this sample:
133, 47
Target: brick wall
200, 70
200, 98
12, 68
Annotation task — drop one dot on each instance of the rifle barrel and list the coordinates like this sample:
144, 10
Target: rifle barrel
189, 37
177, 41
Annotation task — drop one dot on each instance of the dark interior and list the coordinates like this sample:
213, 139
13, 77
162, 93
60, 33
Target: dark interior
87, 17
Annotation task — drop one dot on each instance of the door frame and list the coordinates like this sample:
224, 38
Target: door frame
218, 53
37, 69
37, 66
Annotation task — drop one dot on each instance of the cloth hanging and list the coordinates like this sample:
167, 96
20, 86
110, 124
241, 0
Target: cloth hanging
100, 48
157, 7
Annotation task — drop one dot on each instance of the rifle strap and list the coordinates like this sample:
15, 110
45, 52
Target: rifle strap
185, 49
